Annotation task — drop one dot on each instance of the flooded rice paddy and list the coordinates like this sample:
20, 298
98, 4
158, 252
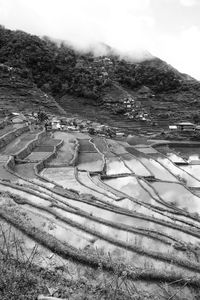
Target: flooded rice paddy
135, 165
194, 170
115, 166
189, 153
129, 203
180, 174
178, 195
91, 162
129, 185
64, 176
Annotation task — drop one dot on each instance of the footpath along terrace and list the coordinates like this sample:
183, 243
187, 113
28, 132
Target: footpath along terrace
89, 198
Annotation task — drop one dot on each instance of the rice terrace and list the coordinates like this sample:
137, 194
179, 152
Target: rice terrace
99, 150
82, 206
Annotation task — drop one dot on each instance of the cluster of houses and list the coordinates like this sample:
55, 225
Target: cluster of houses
85, 126
67, 124
134, 110
130, 106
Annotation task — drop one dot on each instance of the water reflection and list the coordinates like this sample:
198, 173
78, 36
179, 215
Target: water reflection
129, 185
178, 195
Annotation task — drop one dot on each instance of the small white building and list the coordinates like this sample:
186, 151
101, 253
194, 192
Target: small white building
55, 124
173, 127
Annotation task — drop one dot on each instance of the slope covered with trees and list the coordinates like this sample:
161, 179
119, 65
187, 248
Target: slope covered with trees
58, 69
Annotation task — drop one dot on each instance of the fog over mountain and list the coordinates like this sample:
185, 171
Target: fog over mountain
167, 29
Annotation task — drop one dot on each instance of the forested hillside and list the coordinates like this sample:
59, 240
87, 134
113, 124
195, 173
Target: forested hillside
109, 81
58, 69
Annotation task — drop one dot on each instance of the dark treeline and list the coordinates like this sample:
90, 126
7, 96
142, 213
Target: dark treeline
59, 69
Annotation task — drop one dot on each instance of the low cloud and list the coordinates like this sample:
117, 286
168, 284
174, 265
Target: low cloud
123, 24
188, 2
130, 26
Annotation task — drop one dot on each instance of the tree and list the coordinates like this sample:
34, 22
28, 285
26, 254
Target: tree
42, 116
196, 118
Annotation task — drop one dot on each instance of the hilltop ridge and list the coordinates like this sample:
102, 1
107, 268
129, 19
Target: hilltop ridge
149, 90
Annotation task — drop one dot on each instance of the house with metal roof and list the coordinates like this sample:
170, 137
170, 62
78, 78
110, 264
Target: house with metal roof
186, 126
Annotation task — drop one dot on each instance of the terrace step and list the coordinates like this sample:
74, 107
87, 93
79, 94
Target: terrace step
4, 158
18, 143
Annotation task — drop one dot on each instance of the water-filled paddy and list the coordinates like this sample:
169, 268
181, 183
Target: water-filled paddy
129, 185
102, 187
115, 147
180, 173
135, 165
120, 235
86, 146
194, 170
185, 153
100, 144
157, 169
37, 156
175, 158
170, 153
189, 153
178, 195
25, 170
85, 179
115, 166
65, 177
91, 162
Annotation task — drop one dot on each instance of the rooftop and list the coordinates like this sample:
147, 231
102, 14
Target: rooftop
185, 124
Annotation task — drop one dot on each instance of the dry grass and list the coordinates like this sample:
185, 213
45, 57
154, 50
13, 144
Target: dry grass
17, 280
22, 279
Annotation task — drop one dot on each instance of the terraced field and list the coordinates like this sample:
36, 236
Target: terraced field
94, 202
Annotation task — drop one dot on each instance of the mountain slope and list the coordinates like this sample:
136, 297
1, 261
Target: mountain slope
150, 90
21, 94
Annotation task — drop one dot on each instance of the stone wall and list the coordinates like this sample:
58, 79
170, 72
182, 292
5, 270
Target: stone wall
10, 164
30, 146
74, 160
42, 164
8, 137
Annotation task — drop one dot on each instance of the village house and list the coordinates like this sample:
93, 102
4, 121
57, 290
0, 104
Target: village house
185, 126
55, 124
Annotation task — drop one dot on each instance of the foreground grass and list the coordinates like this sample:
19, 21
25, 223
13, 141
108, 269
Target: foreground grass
24, 281
23, 278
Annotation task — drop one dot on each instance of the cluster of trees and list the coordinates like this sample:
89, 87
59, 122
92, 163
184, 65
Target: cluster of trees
146, 73
52, 67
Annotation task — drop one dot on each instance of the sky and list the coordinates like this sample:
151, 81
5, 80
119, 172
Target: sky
169, 29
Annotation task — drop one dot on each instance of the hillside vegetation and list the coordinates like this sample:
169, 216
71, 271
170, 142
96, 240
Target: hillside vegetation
60, 68
109, 80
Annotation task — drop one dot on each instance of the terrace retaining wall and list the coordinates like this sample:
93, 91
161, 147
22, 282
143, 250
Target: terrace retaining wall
8, 137
74, 160
30, 146
42, 164
10, 164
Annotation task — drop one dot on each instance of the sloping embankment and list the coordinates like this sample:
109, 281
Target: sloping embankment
21, 154
10, 136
